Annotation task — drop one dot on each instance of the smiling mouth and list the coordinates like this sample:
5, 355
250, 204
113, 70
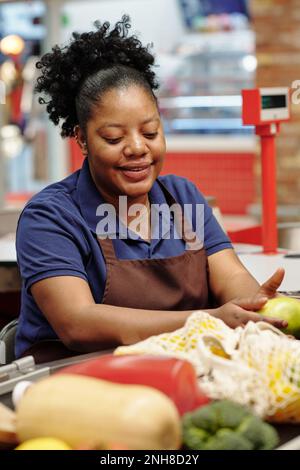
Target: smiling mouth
136, 173
135, 168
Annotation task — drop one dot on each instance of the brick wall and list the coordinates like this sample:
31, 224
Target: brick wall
277, 27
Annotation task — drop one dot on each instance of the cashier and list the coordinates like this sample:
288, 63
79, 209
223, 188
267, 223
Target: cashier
90, 279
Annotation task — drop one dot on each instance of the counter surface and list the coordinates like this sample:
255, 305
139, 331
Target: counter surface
289, 433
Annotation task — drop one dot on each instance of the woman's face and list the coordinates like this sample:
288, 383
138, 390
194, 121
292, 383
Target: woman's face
125, 144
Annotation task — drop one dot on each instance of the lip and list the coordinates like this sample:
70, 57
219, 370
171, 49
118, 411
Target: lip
136, 173
139, 166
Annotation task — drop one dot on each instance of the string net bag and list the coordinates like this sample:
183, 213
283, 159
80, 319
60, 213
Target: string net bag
257, 366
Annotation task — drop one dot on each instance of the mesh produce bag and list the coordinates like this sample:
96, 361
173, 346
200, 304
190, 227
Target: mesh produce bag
257, 365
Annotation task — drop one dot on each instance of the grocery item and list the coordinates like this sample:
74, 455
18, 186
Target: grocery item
183, 343
285, 308
91, 412
7, 427
44, 443
257, 366
174, 377
225, 425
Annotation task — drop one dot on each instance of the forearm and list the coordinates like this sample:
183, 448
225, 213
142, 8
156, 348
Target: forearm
97, 325
240, 284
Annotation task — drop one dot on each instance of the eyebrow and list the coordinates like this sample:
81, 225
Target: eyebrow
111, 124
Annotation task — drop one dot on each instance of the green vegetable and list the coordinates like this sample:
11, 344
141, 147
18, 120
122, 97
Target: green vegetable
206, 418
225, 425
226, 439
263, 436
230, 414
195, 438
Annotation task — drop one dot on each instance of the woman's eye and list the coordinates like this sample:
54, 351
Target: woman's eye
113, 141
151, 135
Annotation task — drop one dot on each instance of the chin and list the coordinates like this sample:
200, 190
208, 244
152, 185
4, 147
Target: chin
136, 193
138, 189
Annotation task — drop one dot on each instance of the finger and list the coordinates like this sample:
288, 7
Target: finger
270, 287
273, 321
252, 303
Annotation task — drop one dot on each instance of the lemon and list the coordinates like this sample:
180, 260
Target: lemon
285, 308
44, 443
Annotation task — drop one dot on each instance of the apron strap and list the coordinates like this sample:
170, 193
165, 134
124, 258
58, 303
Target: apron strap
108, 250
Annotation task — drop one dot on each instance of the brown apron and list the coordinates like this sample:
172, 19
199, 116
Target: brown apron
174, 283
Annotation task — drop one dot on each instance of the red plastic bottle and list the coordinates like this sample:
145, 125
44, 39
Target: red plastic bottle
174, 377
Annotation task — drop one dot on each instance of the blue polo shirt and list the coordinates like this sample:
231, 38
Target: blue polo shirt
56, 236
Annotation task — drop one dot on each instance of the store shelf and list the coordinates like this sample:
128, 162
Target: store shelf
203, 93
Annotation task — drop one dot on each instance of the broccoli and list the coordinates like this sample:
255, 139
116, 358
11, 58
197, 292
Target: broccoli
269, 436
263, 436
206, 418
226, 439
194, 438
225, 425
230, 414
250, 428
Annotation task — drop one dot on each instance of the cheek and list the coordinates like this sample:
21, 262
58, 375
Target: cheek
105, 157
159, 149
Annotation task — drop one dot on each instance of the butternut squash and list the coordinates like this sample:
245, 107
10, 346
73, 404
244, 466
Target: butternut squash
7, 427
83, 410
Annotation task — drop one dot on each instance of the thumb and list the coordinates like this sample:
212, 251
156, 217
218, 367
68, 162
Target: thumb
270, 287
252, 303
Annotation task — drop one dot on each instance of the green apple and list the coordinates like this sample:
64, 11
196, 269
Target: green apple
285, 308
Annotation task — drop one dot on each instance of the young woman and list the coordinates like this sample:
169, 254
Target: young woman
83, 283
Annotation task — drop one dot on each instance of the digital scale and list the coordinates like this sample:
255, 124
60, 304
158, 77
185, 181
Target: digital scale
266, 108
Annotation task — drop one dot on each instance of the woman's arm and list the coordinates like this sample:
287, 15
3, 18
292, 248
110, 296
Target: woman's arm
229, 279
83, 325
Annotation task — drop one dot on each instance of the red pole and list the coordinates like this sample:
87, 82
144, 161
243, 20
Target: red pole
269, 199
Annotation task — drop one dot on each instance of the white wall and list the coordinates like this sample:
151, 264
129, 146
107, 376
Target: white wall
157, 21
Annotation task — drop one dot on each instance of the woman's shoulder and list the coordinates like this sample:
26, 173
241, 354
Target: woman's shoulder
55, 193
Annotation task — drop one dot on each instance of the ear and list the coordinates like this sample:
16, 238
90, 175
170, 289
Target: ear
80, 139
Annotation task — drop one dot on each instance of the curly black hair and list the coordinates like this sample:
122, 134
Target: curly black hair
77, 75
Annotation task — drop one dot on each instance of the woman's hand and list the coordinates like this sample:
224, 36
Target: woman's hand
269, 288
239, 311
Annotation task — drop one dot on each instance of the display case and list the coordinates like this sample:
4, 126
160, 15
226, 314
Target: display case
201, 107
202, 94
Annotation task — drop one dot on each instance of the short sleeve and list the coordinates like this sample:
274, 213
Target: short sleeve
49, 244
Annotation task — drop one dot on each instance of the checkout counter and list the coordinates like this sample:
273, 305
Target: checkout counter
260, 265
25, 369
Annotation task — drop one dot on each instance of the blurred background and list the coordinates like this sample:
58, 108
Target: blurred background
206, 52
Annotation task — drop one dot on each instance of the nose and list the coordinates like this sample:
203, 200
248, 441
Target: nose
135, 146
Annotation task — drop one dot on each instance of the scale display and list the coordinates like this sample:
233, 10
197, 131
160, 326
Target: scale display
262, 106
273, 101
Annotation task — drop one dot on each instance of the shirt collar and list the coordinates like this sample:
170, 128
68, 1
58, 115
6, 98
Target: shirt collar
89, 198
